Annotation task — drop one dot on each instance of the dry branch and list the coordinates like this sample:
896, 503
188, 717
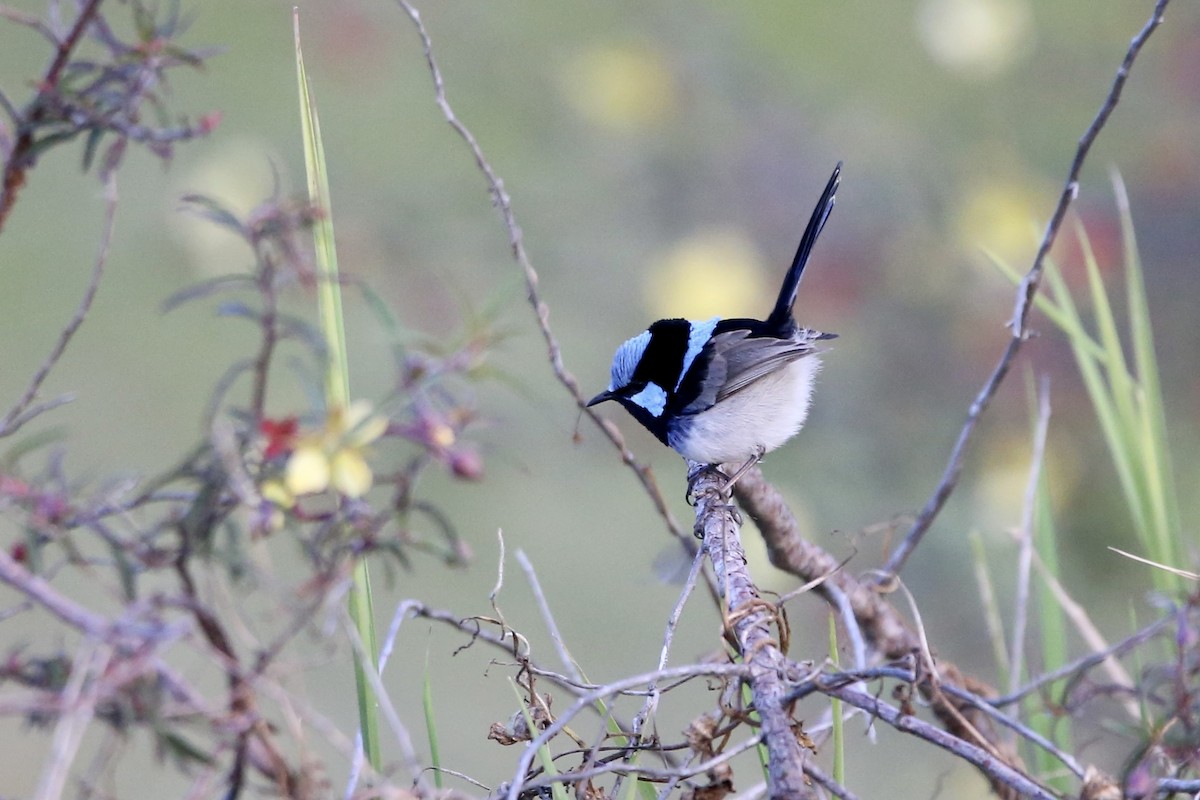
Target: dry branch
749, 619
1026, 291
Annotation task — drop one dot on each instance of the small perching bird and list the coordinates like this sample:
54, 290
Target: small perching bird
723, 391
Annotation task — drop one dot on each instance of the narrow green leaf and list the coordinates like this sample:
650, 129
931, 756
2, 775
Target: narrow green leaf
839, 738
1165, 507
329, 290
213, 211
208, 288
430, 725
337, 384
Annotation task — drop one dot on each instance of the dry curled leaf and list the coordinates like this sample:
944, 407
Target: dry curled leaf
803, 738
699, 735
1098, 785
720, 784
517, 729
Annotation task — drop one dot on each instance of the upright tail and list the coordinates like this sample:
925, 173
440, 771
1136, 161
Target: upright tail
781, 315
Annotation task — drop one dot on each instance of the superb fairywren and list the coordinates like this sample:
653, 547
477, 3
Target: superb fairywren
725, 390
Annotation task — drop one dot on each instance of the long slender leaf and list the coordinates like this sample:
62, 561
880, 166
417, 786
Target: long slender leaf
1158, 456
337, 385
835, 705
431, 725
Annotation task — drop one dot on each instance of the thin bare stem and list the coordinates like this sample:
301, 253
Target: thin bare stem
1085, 663
827, 782
17, 415
513, 790
995, 768
503, 204
548, 617
79, 699
1019, 324
22, 155
409, 753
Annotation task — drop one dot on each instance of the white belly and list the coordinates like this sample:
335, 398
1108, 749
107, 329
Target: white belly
762, 417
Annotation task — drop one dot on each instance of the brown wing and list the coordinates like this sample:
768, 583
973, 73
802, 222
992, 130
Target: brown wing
748, 359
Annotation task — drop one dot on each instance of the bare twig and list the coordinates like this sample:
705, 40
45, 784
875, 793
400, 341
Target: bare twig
882, 627
1087, 662
22, 154
19, 414
668, 637
652, 693
1170, 786
999, 772
828, 783
409, 753
1090, 633
586, 700
569, 665
79, 699
1019, 324
653, 773
503, 205
39, 591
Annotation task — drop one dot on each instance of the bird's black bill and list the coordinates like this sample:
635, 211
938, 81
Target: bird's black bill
600, 398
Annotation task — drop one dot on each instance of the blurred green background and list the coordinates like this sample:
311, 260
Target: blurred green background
662, 160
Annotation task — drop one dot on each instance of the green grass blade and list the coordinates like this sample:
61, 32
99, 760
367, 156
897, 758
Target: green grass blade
1054, 640
839, 737
1164, 504
431, 726
329, 290
337, 383
1121, 386
1091, 362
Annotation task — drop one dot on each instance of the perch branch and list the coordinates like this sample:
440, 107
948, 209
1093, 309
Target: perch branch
748, 618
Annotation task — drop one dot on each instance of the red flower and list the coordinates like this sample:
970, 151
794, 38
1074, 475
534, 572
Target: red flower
280, 435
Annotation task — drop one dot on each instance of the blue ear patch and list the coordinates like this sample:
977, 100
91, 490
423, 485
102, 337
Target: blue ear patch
698, 336
653, 398
626, 360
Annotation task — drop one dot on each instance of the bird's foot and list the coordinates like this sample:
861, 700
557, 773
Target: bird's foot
742, 470
694, 476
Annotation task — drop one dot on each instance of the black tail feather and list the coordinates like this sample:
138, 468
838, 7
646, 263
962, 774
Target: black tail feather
781, 315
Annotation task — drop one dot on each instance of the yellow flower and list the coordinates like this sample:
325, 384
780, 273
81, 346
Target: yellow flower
307, 469
335, 455
627, 88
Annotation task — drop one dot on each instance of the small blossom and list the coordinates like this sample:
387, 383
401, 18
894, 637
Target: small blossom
280, 435
209, 122
274, 491
335, 456
350, 473
466, 463
307, 470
